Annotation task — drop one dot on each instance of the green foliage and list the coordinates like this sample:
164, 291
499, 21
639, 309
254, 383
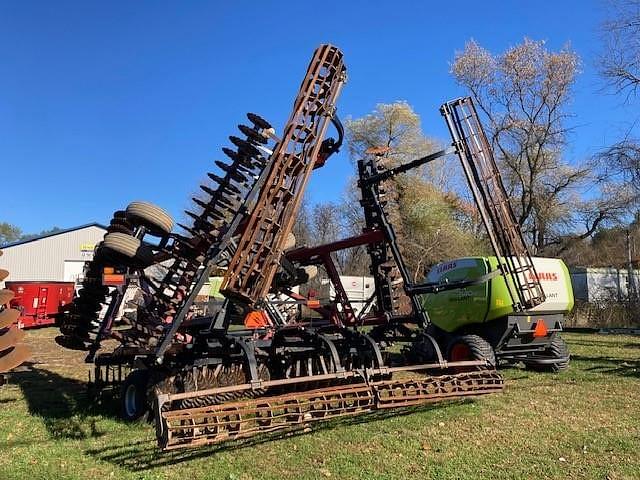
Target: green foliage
9, 233
29, 236
435, 225
393, 125
431, 221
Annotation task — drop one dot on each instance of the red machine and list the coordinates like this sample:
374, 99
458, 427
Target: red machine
39, 302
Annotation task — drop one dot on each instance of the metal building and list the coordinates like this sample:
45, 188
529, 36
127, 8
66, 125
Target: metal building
58, 256
604, 284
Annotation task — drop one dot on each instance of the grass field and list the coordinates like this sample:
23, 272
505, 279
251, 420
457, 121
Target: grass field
583, 423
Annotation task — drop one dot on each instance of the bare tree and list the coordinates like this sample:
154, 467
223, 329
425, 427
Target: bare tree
619, 65
619, 61
623, 159
302, 229
524, 93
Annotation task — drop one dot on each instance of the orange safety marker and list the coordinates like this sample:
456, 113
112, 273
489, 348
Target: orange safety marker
256, 319
113, 279
541, 329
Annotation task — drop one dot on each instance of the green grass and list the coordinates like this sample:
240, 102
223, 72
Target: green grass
583, 423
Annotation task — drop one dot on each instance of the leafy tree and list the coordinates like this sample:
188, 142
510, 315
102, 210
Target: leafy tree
9, 233
431, 221
29, 236
434, 226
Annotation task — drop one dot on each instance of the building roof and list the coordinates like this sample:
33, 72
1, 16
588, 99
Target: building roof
59, 232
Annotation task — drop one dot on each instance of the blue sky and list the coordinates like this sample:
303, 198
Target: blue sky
102, 103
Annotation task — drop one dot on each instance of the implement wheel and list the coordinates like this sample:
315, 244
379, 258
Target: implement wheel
133, 396
470, 347
150, 216
128, 247
555, 358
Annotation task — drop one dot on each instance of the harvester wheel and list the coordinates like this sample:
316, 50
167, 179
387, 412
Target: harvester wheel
151, 216
470, 347
557, 350
129, 247
133, 396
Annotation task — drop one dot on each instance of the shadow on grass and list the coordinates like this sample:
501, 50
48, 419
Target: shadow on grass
61, 402
146, 455
610, 365
602, 343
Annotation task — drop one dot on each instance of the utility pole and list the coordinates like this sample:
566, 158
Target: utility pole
632, 289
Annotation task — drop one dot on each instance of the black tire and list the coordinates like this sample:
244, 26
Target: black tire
150, 216
133, 396
558, 350
478, 349
129, 247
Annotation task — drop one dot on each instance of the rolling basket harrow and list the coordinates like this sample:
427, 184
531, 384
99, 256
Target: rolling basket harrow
205, 382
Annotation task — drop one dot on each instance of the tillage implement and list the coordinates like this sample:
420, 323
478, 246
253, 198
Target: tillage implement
12, 351
249, 365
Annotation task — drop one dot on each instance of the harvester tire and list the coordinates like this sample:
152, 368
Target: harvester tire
559, 350
129, 247
133, 396
471, 347
151, 216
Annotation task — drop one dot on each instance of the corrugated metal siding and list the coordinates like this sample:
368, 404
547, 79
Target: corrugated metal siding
43, 259
603, 284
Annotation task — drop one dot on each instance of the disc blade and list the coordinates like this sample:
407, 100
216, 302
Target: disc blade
6, 296
12, 358
11, 337
9, 317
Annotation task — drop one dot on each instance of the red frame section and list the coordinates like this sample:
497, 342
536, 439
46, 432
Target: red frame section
321, 255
